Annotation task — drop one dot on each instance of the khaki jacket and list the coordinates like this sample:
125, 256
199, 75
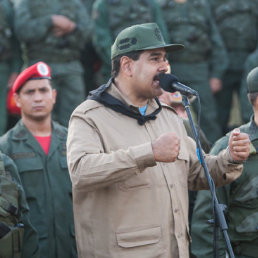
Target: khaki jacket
125, 203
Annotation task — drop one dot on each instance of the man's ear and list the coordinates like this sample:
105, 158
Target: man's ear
17, 99
54, 92
256, 102
126, 65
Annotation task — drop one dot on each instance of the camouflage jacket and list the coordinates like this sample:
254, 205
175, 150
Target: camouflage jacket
34, 27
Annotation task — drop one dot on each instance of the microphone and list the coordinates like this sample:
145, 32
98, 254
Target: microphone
170, 83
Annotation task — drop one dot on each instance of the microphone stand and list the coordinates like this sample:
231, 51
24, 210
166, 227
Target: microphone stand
219, 218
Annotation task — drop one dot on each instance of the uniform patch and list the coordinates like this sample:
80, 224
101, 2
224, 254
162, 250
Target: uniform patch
22, 155
126, 43
42, 69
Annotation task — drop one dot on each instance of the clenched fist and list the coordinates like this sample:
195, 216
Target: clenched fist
239, 145
166, 147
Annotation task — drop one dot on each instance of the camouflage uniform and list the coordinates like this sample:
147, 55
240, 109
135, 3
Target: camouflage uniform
112, 16
204, 56
47, 186
10, 56
241, 198
237, 21
17, 237
62, 54
88, 4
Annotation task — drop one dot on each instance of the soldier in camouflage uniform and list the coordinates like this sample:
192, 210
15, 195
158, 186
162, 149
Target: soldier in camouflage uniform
112, 16
250, 63
237, 21
241, 197
17, 237
55, 31
203, 62
10, 57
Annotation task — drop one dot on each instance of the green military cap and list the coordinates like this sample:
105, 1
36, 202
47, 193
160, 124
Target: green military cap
144, 36
252, 81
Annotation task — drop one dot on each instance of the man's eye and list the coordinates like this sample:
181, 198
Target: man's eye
43, 90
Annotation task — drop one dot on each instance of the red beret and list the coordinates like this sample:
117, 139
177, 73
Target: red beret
39, 70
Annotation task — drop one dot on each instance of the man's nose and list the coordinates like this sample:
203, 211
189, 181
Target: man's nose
164, 66
37, 96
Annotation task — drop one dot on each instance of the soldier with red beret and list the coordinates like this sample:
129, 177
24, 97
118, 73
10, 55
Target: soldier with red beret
38, 147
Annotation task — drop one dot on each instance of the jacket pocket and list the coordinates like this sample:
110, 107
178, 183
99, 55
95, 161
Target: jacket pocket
139, 181
139, 237
10, 243
32, 176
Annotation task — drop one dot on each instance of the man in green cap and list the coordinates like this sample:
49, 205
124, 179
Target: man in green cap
204, 60
55, 32
10, 58
237, 22
240, 197
37, 145
112, 16
130, 159
17, 236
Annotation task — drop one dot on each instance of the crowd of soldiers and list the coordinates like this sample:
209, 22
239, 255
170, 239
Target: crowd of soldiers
74, 38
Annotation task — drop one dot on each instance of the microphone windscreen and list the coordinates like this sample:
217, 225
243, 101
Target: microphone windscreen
166, 81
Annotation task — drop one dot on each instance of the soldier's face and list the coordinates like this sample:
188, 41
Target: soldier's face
36, 99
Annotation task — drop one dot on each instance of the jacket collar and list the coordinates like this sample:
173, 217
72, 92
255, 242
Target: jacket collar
114, 91
58, 138
109, 95
22, 133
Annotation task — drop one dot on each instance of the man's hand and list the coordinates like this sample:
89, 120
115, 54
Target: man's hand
62, 25
215, 85
239, 145
166, 147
